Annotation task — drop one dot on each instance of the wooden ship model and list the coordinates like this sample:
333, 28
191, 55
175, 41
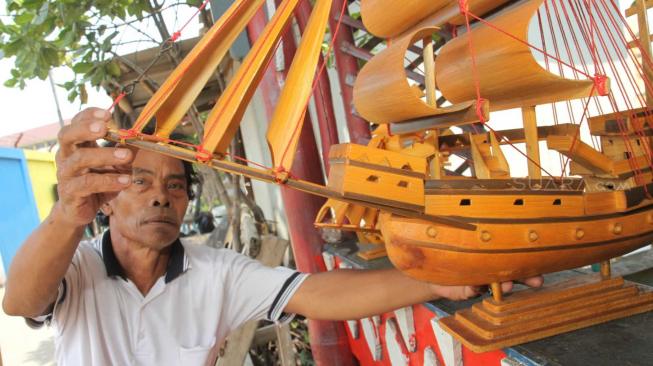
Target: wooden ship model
442, 226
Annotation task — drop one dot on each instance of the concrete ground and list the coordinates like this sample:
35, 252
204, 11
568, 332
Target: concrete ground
22, 346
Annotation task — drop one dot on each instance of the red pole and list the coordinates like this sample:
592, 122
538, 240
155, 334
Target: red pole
347, 65
329, 342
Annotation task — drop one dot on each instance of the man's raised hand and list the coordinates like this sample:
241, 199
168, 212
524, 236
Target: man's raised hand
83, 181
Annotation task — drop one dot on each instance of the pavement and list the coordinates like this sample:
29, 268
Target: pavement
22, 346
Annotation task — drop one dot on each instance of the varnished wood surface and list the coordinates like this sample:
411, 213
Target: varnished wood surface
388, 18
537, 314
173, 99
382, 93
285, 127
498, 252
451, 14
223, 121
508, 74
269, 176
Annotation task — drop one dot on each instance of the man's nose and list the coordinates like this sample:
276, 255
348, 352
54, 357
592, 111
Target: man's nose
160, 197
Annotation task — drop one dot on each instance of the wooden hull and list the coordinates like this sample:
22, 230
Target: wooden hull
502, 251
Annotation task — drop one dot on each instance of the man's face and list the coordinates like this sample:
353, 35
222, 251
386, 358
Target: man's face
152, 209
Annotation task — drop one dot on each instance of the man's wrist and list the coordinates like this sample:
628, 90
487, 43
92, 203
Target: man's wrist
59, 217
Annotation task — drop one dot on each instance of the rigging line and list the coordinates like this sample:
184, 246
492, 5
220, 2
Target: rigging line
592, 26
637, 129
569, 110
500, 137
548, 68
634, 163
571, 58
645, 56
559, 55
579, 51
465, 10
321, 69
491, 25
629, 73
583, 24
165, 45
640, 68
645, 78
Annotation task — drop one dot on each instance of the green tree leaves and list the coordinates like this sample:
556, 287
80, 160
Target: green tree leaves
42, 34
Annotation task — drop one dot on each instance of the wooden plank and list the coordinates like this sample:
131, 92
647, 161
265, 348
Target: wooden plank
635, 8
505, 205
284, 344
635, 120
581, 153
532, 142
457, 142
537, 314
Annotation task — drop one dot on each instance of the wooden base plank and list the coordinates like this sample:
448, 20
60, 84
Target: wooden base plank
535, 314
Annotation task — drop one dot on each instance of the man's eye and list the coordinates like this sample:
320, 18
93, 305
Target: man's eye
138, 181
176, 186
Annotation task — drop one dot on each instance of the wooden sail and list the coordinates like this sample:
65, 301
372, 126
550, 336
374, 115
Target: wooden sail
173, 99
451, 14
507, 73
284, 130
388, 18
223, 121
382, 93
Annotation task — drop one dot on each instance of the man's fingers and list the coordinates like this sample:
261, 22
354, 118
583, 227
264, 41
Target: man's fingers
89, 184
536, 281
93, 158
88, 125
506, 286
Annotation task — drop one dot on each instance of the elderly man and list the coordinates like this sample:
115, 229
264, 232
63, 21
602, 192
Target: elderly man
137, 295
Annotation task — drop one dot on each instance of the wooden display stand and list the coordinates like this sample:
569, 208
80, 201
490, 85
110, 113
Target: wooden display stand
539, 313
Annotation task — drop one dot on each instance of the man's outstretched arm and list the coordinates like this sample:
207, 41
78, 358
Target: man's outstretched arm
355, 294
42, 261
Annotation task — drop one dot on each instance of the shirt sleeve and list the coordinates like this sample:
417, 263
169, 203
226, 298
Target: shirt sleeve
67, 299
254, 291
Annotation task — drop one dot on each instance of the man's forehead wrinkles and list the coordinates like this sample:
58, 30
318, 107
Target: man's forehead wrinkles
137, 170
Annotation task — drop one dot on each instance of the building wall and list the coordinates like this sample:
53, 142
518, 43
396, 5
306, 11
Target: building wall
18, 212
43, 174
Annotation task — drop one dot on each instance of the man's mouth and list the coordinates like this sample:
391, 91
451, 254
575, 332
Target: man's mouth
161, 220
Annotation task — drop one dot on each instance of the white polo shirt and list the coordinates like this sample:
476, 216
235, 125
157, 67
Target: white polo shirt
101, 318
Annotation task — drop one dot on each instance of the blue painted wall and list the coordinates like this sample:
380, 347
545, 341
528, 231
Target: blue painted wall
18, 212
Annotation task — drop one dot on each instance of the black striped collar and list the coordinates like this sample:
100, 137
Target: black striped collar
177, 263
